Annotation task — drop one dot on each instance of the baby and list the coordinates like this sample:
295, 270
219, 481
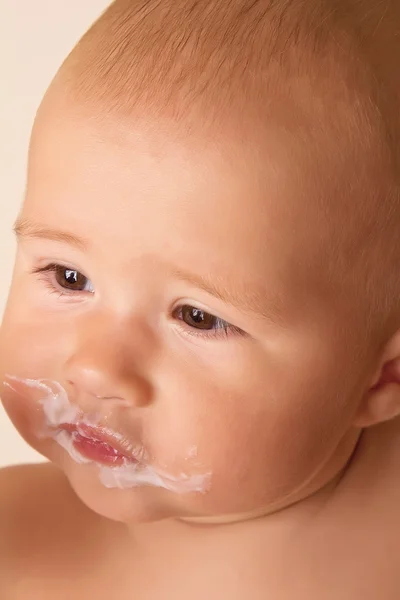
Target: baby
203, 328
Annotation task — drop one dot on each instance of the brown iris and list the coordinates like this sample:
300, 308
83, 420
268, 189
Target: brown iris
70, 279
194, 317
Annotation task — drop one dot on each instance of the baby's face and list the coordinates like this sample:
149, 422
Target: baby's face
168, 285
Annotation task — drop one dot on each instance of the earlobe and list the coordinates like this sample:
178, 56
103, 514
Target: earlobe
382, 401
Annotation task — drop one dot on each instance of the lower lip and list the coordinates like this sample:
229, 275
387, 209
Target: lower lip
96, 450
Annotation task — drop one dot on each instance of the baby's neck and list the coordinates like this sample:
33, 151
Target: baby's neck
271, 530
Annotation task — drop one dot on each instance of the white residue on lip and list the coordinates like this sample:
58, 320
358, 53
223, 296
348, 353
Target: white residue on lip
58, 410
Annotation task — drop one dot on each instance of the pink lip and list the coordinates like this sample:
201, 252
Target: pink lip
96, 444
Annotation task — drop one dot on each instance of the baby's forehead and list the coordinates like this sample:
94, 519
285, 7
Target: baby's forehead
251, 159
289, 165
226, 208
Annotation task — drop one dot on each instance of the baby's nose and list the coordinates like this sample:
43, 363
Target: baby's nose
93, 381
104, 367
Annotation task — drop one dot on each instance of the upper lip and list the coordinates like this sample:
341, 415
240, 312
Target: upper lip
103, 435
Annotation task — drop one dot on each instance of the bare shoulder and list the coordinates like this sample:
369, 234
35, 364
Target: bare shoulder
39, 519
16, 480
35, 501
35, 495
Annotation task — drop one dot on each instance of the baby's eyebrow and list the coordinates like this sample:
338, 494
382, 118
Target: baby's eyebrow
24, 228
245, 297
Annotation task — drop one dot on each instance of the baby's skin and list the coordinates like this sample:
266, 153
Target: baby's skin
202, 334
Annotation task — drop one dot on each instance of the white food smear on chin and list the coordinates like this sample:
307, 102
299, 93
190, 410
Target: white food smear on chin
58, 410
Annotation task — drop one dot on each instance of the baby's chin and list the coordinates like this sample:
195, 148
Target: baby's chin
137, 505
147, 504
143, 503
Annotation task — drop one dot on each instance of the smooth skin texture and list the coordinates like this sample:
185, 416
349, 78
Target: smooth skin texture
197, 293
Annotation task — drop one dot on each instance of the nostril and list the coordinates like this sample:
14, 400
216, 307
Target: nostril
114, 400
105, 382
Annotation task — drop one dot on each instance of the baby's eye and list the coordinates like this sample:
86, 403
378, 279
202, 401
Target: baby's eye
58, 276
194, 317
199, 319
71, 279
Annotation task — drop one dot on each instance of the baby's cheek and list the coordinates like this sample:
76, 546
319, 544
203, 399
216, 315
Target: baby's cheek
28, 351
235, 455
32, 347
258, 453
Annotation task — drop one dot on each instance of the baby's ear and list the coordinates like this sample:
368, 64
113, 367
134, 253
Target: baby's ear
382, 401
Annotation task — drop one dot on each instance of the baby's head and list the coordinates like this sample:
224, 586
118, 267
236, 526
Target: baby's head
208, 253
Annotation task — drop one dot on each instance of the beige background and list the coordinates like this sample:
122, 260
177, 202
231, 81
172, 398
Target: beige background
35, 36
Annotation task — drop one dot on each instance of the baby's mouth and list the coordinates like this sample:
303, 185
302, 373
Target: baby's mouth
120, 463
98, 444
